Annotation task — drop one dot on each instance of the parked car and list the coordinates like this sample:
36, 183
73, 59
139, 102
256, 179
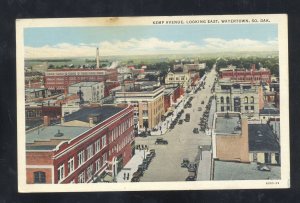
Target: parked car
152, 152
135, 179
192, 167
185, 163
180, 121
202, 102
161, 141
196, 130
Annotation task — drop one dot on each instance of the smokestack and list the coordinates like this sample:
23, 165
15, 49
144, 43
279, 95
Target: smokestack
97, 57
46, 121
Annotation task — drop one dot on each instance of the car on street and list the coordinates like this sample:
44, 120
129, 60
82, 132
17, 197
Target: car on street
180, 121
191, 176
202, 102
185, 162
161, 141
196, 130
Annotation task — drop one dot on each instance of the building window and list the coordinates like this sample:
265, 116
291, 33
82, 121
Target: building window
103, 141
89, 171
252, 100
145, 113
246, 108
227, 100
80, 158
222, 100
252, 107
60, 172
98, 164
104, 158
81, 177
246, 100
97, 146
71, 165
89, 151
222, 108
228, 108
39, 177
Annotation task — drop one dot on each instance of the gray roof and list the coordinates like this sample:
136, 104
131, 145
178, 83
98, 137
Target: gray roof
269, 111
83, 114
228, 125
49, 132
84, 84
243, 171
262, 138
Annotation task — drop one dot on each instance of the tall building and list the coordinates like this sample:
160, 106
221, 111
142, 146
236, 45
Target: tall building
91, 91
245, 98
87, 143
61, 79
148, 104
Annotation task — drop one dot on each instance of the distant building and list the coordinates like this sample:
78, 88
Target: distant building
60, 79
35, 93
87, 143
69, 108
91, 91
148, 104
239, 97
253, 75
234, 139
190, 67
179, 77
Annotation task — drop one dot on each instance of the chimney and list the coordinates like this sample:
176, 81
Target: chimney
46, 121
91, 122
62, 120
97, 57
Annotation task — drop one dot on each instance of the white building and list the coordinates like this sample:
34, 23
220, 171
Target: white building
69, 108
91, 91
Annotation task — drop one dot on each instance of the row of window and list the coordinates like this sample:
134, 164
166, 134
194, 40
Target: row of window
81, 158
178, 78
118, 147
246, 100
119, 130
228, 108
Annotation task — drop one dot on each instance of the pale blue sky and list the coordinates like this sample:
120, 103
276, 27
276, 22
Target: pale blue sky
138, 38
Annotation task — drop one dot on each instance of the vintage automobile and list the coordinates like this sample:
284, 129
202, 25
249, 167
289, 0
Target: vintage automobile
191, 177
196, 130
152, 152
161, 141
135, 179
202, 102
185, 162
180, 121
192, 167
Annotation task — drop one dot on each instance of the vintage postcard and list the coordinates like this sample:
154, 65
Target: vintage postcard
153, 103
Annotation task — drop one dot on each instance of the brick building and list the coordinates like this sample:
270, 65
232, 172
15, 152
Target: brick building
87, 143
172, 93
252, 75
61, 79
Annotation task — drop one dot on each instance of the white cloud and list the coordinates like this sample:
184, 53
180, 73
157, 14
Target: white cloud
148, 46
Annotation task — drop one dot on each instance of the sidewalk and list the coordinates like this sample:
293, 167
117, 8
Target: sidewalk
204, 167
131, 166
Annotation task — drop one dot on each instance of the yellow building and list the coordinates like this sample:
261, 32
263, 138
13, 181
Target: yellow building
148, 105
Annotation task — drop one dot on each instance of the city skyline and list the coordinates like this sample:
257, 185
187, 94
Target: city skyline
148, 40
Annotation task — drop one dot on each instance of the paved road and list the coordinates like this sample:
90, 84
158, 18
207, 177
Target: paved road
183, 143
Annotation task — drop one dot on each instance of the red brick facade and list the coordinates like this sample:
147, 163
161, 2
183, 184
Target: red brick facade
115, 137
252, 75
61, 79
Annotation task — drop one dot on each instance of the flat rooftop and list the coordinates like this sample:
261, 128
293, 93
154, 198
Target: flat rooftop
262, 138
228, 125
104, 112
84, 84
242, 171
50, 132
